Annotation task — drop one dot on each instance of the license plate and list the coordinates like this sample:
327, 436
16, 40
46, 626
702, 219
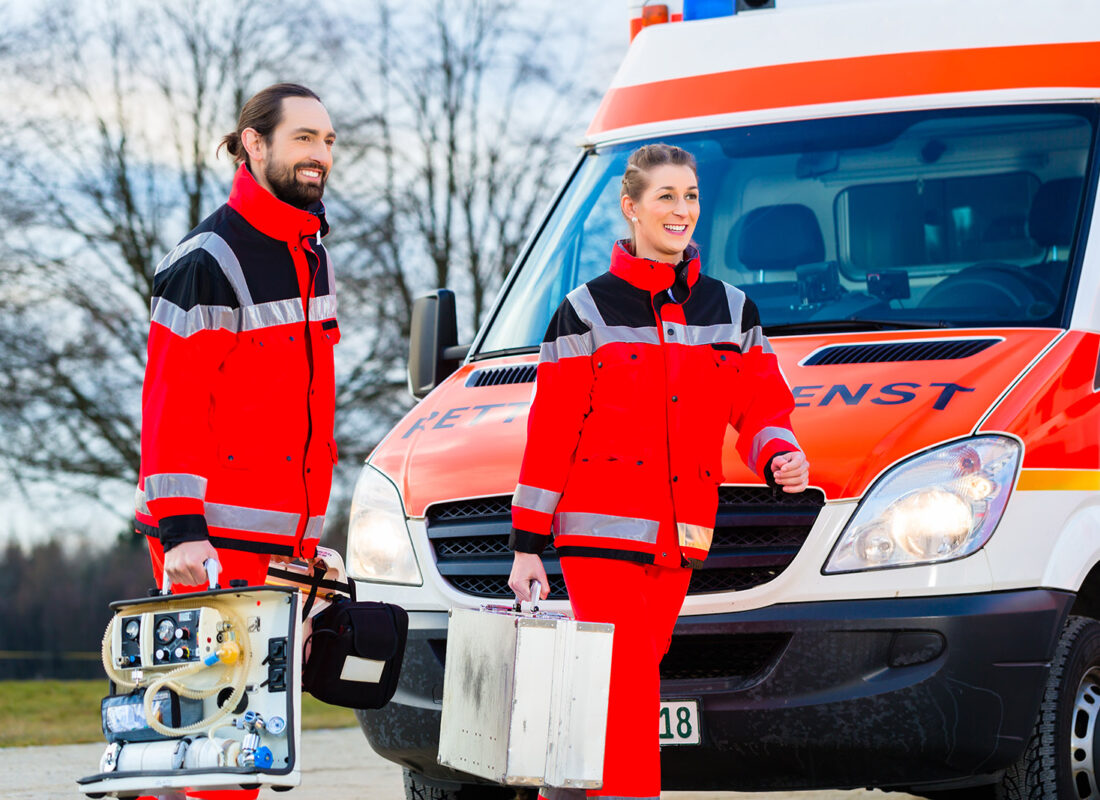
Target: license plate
679, 722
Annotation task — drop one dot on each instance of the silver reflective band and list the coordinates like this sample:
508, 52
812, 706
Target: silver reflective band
579, 523
624, 334
697, 536
323, 307
583, 303
140, 505
704, 334
735, 298
319, 249
199, 318
754, 337
277, 312
765, 436
175, 484
535, 499
222, 253
243, 518
314, 527
254, 520
571, 346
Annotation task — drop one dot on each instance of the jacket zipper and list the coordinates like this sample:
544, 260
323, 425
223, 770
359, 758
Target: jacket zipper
313, 270
668, 440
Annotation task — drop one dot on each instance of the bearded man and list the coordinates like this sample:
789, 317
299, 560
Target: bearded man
237, 407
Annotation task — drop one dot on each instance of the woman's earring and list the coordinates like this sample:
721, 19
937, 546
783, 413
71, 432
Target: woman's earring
634, 220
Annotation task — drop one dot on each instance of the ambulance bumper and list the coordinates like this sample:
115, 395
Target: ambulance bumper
920, 693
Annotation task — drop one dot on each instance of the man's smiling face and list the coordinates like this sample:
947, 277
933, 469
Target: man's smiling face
297, 156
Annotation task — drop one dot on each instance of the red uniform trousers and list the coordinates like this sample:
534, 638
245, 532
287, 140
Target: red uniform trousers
643, 602
252, 567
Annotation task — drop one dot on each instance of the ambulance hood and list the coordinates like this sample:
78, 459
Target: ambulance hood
863, 402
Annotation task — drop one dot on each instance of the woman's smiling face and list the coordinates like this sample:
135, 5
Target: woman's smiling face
664, 217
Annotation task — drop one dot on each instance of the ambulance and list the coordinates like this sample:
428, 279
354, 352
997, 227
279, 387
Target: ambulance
906, 189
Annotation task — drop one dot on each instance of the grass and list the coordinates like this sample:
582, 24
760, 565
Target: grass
67, 712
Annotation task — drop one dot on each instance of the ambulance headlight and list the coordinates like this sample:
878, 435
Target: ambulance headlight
379, 546
939, 506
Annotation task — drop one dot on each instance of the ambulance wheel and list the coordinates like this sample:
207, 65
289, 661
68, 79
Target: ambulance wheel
1062, 759
417, 787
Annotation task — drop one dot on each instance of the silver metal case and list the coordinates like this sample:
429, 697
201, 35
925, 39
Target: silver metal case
525, 697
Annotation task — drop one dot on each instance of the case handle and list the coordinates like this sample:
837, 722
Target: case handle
212, 569
536, 590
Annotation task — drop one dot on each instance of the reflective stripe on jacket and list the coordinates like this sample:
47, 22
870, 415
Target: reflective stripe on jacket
237, 406
633, 396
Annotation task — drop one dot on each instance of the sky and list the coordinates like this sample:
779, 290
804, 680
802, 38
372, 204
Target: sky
39, 513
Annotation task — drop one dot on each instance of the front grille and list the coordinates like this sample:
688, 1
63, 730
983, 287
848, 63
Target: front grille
879, 353
496, 586
740, 657
757, 534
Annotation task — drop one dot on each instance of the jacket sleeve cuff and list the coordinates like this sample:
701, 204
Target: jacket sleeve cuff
182, 528
769, 476
527, 542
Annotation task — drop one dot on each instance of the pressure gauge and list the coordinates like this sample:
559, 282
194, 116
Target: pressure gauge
166, 630
133, 628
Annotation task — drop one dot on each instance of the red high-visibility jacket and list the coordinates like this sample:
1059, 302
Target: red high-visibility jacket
639, 374
237, 407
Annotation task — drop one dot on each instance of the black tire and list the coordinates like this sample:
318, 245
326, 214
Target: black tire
417, 787
1058, 762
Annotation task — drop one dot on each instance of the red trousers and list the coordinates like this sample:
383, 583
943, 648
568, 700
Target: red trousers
643, 603
252, 567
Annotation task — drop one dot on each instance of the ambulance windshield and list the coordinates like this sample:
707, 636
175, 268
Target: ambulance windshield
946, 218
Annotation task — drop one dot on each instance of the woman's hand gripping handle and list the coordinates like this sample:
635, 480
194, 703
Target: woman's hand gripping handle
527, 567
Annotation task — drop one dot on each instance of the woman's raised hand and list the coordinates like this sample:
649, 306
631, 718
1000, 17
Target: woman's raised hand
791, 471
527, 567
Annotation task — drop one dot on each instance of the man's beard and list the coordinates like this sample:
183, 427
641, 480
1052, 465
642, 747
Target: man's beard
286, 186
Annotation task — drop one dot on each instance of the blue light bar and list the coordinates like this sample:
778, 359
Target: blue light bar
706, 9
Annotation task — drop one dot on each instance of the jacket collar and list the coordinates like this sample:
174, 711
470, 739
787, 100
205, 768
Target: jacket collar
653, 276
270, 215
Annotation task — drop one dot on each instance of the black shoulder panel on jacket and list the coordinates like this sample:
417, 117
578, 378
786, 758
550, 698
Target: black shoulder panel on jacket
750, 317
621, 303
265, 262
565, 322
195, 279
708, 303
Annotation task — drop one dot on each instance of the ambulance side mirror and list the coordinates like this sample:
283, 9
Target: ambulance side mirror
434, 352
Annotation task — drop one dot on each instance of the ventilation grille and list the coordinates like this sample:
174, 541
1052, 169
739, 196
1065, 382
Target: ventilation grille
939, 350
757, 534
740, 657
498, 376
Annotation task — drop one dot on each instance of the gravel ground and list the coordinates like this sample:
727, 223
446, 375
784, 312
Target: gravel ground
338, 766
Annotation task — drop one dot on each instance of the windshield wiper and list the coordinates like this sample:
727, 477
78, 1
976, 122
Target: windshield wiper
814, 326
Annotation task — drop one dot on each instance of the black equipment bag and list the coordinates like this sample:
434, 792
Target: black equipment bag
355, 651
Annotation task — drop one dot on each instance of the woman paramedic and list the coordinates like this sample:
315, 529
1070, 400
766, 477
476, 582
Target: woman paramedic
640, 372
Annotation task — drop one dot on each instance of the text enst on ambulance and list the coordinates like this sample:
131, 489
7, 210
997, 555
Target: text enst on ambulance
905, 190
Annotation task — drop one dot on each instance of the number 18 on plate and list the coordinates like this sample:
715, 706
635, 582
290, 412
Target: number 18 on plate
679, 722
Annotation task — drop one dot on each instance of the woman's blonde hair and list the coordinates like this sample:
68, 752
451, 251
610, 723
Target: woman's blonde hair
645, 158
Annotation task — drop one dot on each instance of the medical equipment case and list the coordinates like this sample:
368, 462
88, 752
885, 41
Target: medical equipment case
525, 697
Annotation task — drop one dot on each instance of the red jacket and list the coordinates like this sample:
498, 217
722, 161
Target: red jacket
639, 374
237, 407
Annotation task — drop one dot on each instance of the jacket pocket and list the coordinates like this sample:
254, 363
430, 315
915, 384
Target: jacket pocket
710, 473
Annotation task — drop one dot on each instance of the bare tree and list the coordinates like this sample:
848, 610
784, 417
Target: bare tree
112, 162
466, 119
455, 121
